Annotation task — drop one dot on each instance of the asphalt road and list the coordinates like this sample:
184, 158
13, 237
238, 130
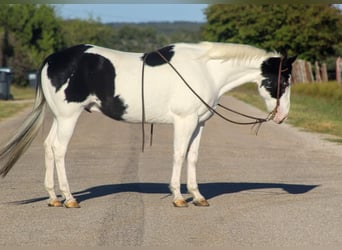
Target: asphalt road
280, 188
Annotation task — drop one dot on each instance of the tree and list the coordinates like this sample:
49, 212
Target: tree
313, 32
30, 33
138, 39
87, 31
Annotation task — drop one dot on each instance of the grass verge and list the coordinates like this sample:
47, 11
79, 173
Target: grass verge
315, 107
21, 101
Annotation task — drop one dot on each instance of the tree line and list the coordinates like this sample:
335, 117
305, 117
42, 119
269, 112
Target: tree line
314, 32
30, 32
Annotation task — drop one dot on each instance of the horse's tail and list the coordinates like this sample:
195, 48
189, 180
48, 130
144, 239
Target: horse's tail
23, 137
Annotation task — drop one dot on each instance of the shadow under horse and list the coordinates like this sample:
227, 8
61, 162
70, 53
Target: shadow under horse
210, 190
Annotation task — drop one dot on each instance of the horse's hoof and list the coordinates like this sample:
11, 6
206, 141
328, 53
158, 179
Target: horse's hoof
180, 203
55, 203
71, 204
201, 203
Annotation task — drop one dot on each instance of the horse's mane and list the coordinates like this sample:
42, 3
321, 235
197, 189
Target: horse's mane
227, 51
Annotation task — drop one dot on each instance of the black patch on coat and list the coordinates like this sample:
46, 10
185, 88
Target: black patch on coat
88, 74
270, 70
153, 58
62, 64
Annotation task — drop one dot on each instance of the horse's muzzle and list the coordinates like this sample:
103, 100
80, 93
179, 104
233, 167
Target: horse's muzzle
279, 119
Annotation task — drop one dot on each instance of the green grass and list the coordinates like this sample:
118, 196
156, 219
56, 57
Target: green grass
22, 93
314, 107
21, 96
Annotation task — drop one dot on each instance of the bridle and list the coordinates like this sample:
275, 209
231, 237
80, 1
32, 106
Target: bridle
255, 124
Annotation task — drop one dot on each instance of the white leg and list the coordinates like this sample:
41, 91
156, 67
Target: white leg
50, 166
192, 186
183, 130
65, 128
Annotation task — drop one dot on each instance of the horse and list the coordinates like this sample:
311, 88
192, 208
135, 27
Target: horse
93, 78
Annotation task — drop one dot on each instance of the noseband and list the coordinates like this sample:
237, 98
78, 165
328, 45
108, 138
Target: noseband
256, 123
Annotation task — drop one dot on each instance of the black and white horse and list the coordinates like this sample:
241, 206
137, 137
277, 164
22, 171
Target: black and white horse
92, 78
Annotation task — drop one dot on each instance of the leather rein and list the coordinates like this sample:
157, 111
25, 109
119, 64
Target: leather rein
257, 121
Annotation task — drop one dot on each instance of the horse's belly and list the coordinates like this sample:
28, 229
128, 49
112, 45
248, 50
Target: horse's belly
135, 115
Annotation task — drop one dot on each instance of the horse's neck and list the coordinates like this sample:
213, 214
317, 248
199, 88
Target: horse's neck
231, 74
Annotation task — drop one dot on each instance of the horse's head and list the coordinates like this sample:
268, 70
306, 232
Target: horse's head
275, 87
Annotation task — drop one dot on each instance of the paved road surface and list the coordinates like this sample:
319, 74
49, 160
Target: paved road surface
280, 188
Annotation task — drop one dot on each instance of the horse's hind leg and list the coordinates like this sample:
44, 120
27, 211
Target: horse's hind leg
64, 131
50, 165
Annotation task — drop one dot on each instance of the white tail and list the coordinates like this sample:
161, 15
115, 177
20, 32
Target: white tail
21, 140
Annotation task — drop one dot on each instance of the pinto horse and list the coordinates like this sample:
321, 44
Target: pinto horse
92, 78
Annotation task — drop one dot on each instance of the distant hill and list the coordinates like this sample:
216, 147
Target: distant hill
165, 28
151, 35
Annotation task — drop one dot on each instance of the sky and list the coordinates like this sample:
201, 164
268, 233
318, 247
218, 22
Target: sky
133, 12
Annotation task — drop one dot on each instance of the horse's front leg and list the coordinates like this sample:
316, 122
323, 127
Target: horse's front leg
192, 186
184, 128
